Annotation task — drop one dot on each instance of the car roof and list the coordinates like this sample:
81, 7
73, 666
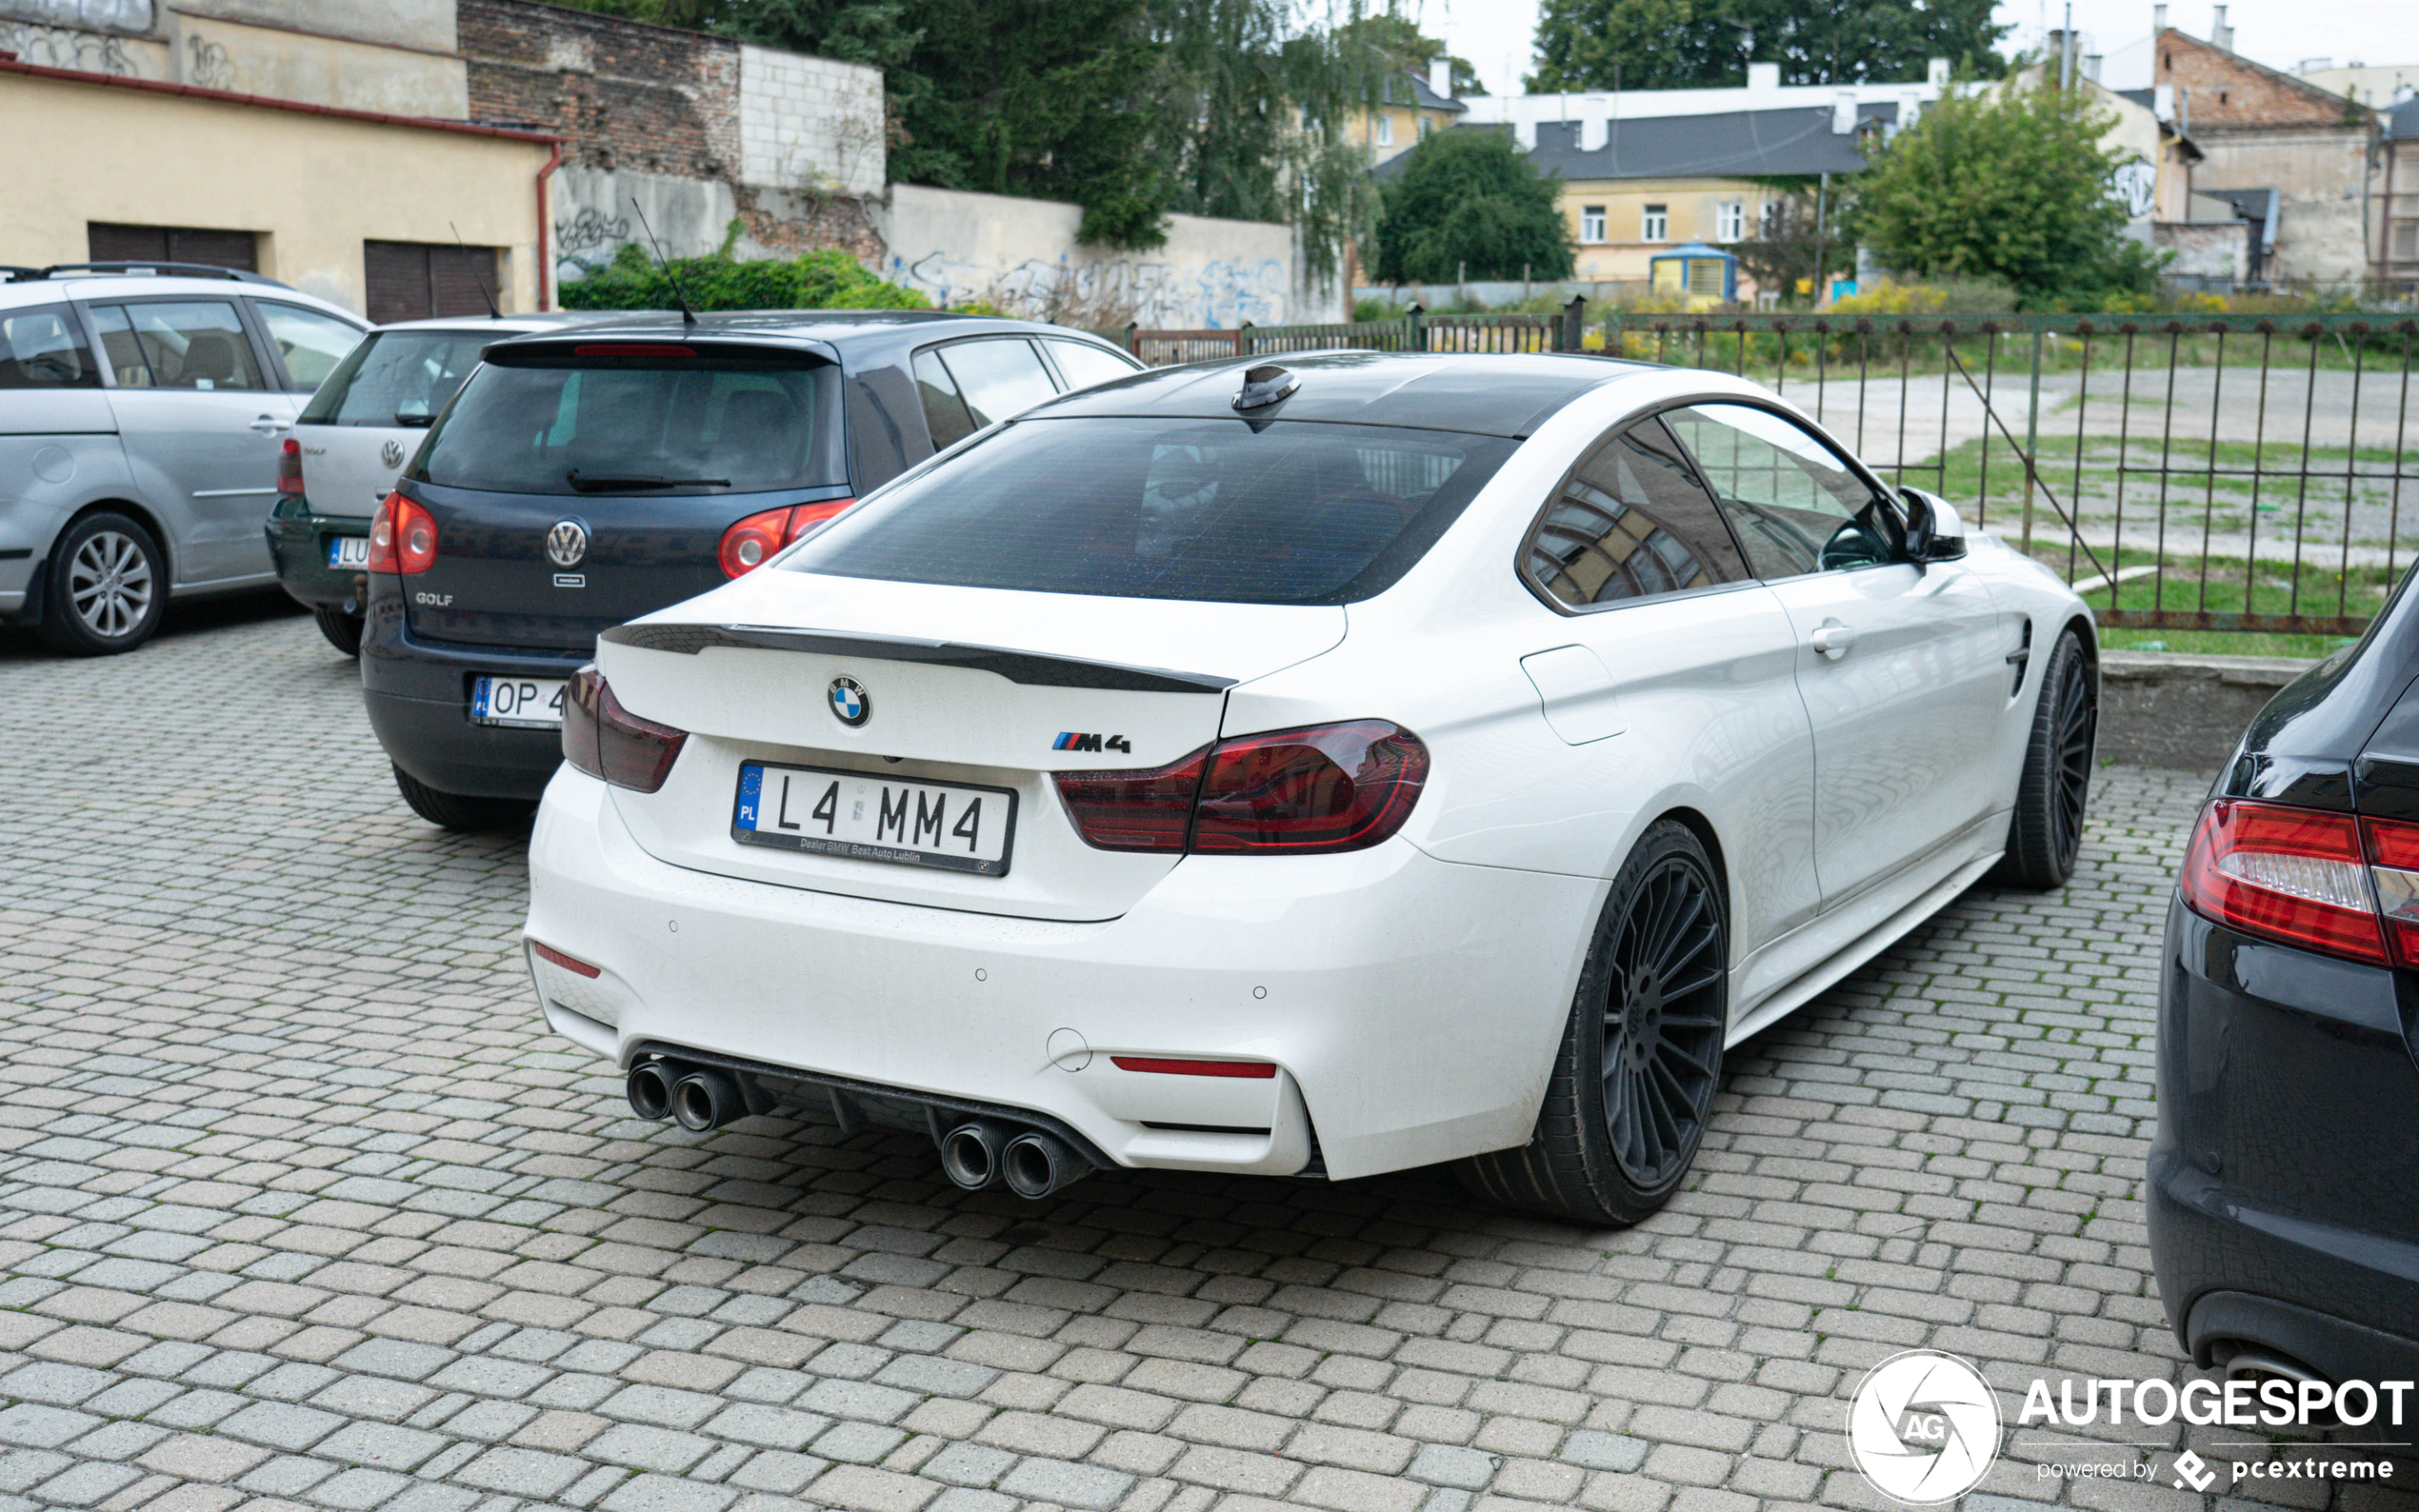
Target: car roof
1497, 394
869, 330
50, 289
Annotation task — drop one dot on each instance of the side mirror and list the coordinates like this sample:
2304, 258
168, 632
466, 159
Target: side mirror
1933, 531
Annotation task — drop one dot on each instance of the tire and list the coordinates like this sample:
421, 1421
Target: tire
2046, 832
476, 816
343, 630
1653, 1058
106, 588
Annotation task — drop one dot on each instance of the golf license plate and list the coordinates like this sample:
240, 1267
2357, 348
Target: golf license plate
349, 551
875, 818
531, 703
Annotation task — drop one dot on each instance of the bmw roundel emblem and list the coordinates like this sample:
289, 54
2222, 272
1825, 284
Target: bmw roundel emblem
850, 705
567, 542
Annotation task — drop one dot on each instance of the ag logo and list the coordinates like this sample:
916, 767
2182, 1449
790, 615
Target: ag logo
567, 542
1923, 1427
391, 453
849, 704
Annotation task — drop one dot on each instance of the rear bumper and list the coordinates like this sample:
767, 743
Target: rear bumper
298, 538
418, 696
1412, 1006
2281, 1211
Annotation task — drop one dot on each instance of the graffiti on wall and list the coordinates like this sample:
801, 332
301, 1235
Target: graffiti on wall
1217, 294
59, 48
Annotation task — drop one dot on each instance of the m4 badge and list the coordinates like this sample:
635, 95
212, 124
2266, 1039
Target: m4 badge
1071, 739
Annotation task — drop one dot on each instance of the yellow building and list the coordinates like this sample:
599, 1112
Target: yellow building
308, 190
1411, 109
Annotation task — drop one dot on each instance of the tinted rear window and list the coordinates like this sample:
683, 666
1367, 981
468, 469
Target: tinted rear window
691, 427
396, 378
1292, 512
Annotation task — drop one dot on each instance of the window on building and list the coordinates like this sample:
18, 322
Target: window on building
1655, 223
2406, 240
1386, 129
1591, 224
421, 280
109, 243
1730, 221
1426, 124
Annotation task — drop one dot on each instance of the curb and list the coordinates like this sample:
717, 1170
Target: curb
2174, 709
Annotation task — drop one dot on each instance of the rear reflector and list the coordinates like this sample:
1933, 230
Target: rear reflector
1248, 1070
2289, 875
547, 953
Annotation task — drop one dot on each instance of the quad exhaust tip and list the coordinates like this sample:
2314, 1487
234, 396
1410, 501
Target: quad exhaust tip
1032, 1162
650, 1090
1036, 1164
707, 1099
971, 1154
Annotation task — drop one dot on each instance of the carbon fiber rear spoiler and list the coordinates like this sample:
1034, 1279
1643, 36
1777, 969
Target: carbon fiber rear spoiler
1028, 667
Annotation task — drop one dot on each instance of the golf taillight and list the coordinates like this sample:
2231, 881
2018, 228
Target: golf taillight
2290, 874
290, 468
1316, 790
605, 740
402, 537
747, 545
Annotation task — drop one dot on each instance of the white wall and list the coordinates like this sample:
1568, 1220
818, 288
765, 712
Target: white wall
810, 124
1021, 254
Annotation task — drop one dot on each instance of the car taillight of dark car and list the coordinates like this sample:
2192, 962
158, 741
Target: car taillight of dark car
2318, 878
605, 740
1311, 791
402, 537
748, 544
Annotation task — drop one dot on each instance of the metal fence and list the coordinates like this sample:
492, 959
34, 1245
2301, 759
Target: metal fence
2218, 472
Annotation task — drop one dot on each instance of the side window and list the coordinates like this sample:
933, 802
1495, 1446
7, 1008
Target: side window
1085, 365
1793, 503
311, 342
1631, 522
199, 344
997, 378
41, 348
944, 408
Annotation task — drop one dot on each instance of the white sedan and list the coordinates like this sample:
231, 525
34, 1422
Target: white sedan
1307, 770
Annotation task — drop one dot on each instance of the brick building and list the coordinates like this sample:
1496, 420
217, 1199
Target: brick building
2261, 130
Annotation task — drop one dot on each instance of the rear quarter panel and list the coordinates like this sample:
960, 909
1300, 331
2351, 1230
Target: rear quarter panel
44, 480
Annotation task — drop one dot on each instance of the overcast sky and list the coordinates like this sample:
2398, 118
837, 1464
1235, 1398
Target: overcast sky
1494, 34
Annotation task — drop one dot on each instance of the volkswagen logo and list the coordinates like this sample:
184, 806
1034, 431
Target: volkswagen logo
567, 542
391, 453
850, 705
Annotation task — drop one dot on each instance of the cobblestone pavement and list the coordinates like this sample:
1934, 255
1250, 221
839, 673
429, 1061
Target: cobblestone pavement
301, 1205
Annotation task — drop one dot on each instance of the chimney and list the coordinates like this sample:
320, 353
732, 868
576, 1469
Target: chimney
2221, 35
1936, 73
1844, 112
1440, 77
1763, 79
2091, 66
2163, 101
2158, 20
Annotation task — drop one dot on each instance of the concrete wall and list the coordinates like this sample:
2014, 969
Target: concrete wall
811, 122
281, 65
82, 153
2218, 250
394, 56
1021, 254
592, 212
2184, 711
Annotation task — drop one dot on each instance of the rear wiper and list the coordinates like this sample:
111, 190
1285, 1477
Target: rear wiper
620, 482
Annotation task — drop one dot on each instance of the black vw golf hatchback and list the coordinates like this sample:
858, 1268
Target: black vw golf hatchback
2284, 1179
581, 478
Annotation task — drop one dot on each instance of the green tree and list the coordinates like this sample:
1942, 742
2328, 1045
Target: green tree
1399, 41
1707, 44
2010, 185
1469, 199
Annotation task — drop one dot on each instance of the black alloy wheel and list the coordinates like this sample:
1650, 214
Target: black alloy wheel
2045, 834
1632, 1087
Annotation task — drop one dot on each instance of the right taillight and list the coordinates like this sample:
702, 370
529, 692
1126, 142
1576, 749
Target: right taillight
2290, 874
402, 537
1312, 792
2393, 864
745, 545
605, 740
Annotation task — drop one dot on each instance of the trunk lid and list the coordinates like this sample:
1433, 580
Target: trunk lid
972, 688
346, 469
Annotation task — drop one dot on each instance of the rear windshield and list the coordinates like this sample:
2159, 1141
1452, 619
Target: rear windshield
1289, 513
396, 378
691, 427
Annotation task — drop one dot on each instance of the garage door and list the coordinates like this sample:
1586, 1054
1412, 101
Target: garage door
419, 280
110, 243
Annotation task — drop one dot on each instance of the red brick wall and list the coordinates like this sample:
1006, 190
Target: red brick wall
627, 94
2233, 92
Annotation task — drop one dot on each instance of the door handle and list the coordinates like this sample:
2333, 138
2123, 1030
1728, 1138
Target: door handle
270, 425
1831, 639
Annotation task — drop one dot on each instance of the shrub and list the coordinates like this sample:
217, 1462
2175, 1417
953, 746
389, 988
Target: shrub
819, 280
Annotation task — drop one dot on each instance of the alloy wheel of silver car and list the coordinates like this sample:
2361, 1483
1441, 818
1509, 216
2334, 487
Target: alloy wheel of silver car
109, 582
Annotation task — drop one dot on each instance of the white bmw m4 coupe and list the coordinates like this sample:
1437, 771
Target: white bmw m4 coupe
1316, 771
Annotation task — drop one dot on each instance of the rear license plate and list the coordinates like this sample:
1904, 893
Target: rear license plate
872, 818
349, 551
531, 703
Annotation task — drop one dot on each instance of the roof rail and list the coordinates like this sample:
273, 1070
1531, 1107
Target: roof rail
181, 270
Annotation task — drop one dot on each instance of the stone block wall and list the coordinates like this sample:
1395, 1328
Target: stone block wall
810, 124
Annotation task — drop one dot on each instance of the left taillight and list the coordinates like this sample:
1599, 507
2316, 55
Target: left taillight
605, 740
1309, 791
290, 468
402, 537
2297, 875
748, 544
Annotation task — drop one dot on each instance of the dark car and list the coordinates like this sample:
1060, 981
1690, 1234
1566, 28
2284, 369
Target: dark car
2284, 1179
581, 478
